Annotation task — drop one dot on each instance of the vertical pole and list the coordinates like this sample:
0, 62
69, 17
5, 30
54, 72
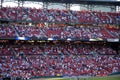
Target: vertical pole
1, 3
45, 5
18, 3
22, 10
18, 9
113, 8
67, 6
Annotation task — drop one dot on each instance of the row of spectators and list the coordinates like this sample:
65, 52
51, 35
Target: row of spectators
51, 15
50, 59
6, 31
60, 32
71, 49
55, 65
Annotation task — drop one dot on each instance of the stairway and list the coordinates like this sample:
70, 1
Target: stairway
49, 16
109, 33
74, 17
16, 32
110, 19
4, 14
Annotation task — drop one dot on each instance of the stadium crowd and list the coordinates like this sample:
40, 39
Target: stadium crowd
79, 49
6, 31
26, 61
81, 32
51, 15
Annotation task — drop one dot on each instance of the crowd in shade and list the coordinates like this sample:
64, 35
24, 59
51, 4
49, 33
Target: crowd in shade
26, 61
79, 49
51, 15
81, 32
6, 31
55, 65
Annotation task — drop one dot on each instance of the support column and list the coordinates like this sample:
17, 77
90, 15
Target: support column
113, 8
117, 8
90, 7
22, 10
67, 6
19, 1
45, 5
1, 3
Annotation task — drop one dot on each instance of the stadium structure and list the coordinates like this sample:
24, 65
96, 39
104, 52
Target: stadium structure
59, 40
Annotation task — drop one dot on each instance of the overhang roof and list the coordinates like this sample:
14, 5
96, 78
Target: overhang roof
97, 2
